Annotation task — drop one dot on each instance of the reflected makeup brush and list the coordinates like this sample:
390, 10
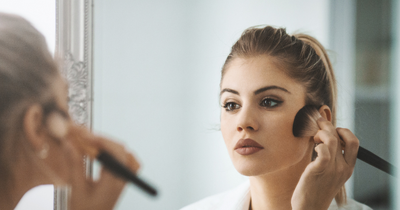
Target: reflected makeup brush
58, 128
305, 124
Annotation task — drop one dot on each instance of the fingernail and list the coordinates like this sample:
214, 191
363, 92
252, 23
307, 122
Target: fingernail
321, 119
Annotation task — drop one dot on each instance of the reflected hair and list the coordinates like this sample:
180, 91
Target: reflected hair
26, 71
299, 56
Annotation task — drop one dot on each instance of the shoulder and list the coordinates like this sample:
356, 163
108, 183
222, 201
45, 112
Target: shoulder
235, 199
350, 205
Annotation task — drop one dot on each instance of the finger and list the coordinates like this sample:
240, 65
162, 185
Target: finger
115, 149
119, 152
132, 163
327, 126
80, 137
327, 139
109, 182
352, 144
109, 185
323, 159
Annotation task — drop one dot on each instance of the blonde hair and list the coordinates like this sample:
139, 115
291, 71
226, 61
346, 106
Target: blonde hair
302, 57
26, 71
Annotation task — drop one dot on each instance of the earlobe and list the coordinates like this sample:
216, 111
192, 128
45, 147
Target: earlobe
325, 112
33, 126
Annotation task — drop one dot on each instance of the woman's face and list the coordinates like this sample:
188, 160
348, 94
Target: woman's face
259, 103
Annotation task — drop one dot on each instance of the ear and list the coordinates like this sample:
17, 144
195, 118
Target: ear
33, 126
325, 112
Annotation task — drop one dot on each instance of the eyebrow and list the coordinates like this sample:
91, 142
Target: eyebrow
229, 91
263, 89
270, 88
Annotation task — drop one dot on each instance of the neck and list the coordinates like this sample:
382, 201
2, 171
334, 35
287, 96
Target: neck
23, 177
274, 190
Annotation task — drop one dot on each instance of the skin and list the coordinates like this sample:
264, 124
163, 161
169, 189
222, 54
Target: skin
282, 173
64, 165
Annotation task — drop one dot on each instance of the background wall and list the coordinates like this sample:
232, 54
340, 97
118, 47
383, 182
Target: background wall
41, 13
157, 70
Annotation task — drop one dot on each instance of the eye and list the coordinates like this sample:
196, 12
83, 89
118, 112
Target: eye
230, 106
269, 102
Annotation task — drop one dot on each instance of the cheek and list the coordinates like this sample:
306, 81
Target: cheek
227, 128
59, 161
279, 135
277, 127
229, 131
280, 125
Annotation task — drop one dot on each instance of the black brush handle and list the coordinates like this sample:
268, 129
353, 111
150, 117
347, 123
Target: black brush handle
376, 161
118, 169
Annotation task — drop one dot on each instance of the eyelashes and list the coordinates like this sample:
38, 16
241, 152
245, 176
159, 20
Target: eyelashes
268, 103
231, 106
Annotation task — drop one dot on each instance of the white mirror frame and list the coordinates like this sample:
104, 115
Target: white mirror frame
74, 32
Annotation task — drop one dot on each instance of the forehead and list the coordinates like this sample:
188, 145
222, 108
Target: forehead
249, 74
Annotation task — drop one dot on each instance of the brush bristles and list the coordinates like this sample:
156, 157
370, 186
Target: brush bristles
305, 122
57, 125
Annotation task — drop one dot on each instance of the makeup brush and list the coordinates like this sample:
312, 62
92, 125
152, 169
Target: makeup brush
58, 128
305, 124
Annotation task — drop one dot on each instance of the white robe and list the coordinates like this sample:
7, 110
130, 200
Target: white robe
239, 199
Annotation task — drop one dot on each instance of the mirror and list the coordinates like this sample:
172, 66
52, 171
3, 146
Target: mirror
156, 86
41, 14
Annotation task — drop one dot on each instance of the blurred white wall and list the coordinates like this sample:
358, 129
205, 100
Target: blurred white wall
42, 15
157, 70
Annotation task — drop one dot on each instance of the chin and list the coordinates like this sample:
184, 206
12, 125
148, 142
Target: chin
250, 171
261, 165
254, 167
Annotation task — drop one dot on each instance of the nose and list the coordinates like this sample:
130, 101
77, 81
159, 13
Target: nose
247, 120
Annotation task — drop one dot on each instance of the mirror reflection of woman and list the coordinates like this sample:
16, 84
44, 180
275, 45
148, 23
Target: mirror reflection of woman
35, 128
266, 79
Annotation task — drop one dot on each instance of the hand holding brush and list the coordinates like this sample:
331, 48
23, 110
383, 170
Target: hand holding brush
305, 124
95, 147
327, 173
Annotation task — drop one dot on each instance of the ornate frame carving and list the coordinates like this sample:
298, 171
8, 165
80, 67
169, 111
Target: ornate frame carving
74, 36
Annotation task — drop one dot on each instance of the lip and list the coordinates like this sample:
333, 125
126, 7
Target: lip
247, 147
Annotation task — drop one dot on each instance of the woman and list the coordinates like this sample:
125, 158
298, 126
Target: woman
266, 79
35, 130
